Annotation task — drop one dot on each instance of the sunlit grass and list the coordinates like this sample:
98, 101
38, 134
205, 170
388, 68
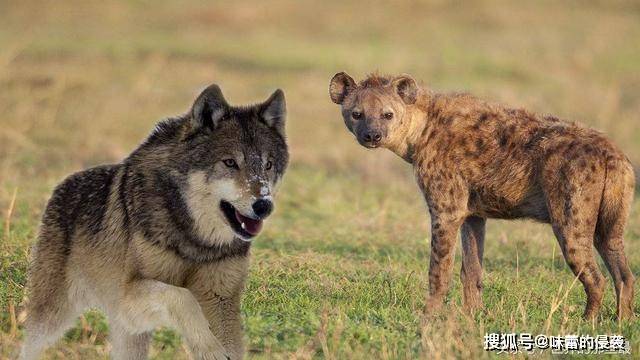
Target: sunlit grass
341, 270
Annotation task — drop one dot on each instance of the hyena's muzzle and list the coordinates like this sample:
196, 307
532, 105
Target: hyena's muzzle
370, 133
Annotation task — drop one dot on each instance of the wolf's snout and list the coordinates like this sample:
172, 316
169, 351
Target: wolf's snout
262, 208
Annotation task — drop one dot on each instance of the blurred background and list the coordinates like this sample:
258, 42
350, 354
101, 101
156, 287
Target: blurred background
341, 268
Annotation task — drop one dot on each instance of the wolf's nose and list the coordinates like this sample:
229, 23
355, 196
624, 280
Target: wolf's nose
262, 208
372, 137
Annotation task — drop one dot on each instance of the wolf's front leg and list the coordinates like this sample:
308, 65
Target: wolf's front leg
149, 304
223, 314
126, 346
218, 289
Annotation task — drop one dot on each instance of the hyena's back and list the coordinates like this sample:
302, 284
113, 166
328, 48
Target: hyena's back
513, 160
78, 205
515, 164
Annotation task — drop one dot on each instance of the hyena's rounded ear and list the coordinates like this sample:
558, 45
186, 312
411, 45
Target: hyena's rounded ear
209, 108
406, 88
274, 111
341, 85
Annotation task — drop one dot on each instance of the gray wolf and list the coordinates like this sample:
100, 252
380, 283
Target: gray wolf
475, 160
162, 238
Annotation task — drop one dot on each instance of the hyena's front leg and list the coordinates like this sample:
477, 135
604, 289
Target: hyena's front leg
443, 240
472, 232
447, 203
149, 304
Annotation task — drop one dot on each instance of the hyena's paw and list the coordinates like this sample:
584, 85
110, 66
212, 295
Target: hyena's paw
433, 306
473, 303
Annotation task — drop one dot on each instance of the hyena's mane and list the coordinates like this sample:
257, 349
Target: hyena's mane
374, 80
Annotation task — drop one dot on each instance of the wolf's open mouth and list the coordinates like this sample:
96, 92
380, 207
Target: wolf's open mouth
244, 226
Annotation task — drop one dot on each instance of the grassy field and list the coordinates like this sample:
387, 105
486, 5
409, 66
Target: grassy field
341, 270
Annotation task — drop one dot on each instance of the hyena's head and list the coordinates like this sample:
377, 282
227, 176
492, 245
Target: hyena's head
237, 156
376, 109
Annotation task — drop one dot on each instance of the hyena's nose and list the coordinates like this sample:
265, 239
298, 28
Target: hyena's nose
262, 208
373, 137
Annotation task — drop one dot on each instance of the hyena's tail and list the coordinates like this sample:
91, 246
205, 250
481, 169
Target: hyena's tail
617, 196
614, 211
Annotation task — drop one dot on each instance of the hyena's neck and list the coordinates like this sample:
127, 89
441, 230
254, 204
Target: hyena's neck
409, 135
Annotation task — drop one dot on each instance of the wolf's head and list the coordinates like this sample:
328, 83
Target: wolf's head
233, 158
376, 110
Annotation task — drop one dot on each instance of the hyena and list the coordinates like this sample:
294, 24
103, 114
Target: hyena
475, 160
162, 238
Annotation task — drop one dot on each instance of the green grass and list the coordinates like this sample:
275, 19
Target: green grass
341, 270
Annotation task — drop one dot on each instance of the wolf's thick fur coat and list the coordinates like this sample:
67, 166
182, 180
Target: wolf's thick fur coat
147, 241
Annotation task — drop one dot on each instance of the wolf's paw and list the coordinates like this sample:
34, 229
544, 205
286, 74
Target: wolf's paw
213, 351
213, 355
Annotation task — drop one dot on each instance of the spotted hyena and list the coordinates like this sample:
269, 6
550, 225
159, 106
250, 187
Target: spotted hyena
475, 160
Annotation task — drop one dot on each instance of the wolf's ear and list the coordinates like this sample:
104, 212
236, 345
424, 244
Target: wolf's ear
274, 111
341, 85
209, 108
406, 88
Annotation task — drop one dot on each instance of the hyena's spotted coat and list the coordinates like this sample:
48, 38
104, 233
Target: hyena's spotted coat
474, 160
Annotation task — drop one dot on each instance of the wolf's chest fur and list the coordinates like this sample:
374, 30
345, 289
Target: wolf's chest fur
226, 276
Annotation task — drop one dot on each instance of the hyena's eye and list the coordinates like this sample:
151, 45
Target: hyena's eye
230, 163
268, 165
356, 115
388, 115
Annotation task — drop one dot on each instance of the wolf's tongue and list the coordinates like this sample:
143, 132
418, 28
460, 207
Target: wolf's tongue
252, 226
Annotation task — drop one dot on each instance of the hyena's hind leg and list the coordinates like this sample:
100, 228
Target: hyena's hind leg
472, 236
573, 209
612, 219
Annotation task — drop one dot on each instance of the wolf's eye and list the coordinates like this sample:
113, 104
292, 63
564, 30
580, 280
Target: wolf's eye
356, 115
230, 163
388, 115
268, 165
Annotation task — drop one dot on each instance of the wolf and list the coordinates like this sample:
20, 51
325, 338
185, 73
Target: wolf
475, 160
162, 238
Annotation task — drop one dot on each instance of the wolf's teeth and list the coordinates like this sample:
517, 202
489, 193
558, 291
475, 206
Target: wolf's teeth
244, 227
